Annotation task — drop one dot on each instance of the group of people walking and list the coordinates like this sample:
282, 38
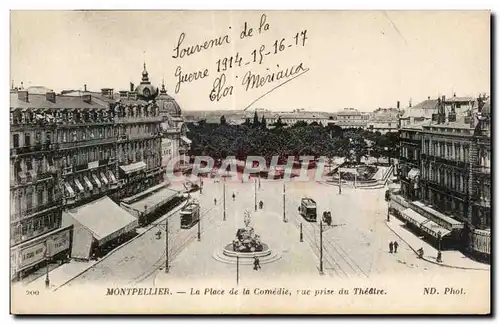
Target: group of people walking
393, 247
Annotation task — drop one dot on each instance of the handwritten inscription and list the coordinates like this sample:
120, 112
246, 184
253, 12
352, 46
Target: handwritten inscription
193, 49
222, 86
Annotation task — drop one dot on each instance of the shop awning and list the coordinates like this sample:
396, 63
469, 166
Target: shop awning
111, 177
134, 167
413, 217
444, 220
79, 185
103, 178
88, 183
413, 174
434, 229
154, 200
186, 140
96, 180
69, 189
104, 219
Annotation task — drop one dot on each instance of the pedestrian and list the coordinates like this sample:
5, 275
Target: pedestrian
234, 196
396, 247
256, 263
391, 246
215, 201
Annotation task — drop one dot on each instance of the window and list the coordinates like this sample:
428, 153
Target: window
27, 139
50, 194
15, 140
39, 197
29, 200
38, 137
29, 165
39, 166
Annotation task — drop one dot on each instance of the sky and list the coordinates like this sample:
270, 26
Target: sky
358, 59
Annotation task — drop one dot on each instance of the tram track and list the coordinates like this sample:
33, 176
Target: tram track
337, 259
190, 236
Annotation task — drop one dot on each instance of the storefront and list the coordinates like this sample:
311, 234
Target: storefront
31, 254
96, 225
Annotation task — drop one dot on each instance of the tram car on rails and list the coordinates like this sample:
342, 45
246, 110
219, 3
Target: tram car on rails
307, 209
190, 214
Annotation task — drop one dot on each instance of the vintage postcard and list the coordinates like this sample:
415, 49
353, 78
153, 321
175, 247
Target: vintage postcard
250, 162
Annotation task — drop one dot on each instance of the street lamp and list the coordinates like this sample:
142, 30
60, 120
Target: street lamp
340, 182
284, 204
255, 194
321, 248
47, 255
388, 214
224, 199
438, 259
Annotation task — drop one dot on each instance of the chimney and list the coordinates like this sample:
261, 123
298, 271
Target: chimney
454, 95
23, 95
429, 98
131, 87
87, 98
397, 105
51, 96
85, 87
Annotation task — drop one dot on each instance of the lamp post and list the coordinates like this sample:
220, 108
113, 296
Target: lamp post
321, 248
255, 194
47, 256
237, 270
388, 214
224, 199
199, 229
301, 235
284, 203
438, 259
340, 182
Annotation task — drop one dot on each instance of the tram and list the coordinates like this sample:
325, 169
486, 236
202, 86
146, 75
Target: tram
308, 209
190, 214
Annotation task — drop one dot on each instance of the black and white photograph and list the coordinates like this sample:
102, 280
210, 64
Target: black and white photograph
250, 162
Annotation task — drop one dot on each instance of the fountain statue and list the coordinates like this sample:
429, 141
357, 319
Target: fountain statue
246, 240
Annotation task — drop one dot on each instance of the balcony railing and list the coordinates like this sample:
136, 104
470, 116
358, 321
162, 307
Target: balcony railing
447, 189
143, 119
32, 149
28, 212
84, 143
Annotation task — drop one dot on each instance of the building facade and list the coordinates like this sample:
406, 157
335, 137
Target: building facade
175, 144
445, 170
69, 150
384, 120
350, 118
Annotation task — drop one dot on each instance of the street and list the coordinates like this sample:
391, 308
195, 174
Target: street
354, 246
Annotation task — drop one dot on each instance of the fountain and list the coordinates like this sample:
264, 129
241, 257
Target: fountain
246, 245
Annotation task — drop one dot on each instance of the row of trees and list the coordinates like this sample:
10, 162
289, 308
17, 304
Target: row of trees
255, 138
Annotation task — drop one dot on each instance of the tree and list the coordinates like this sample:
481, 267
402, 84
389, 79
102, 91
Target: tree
255, 119
222, 120
263, 122
247, 122
279, 123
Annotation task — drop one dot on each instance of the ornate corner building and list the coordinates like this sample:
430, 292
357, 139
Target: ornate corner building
74, 149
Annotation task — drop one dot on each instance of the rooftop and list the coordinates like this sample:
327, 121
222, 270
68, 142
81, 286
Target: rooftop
39, 101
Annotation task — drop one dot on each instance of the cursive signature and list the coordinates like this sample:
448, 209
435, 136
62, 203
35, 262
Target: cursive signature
251, 81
